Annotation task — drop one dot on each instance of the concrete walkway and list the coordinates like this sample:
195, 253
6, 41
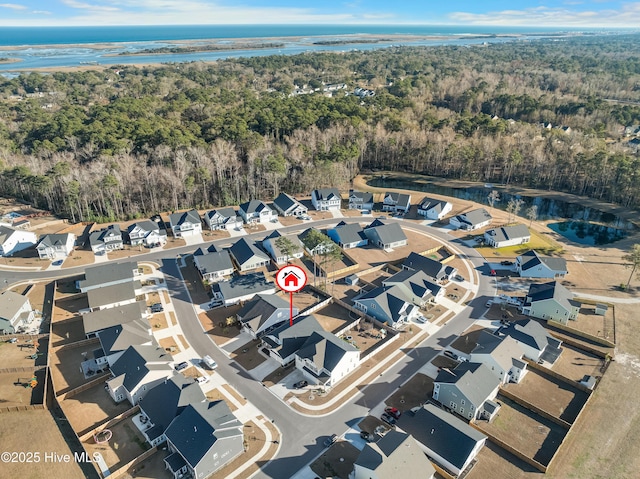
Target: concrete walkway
608, 299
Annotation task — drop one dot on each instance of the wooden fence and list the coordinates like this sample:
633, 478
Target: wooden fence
124, 469
582, 334
527, 405
555, 375
26, 407
111, 422
78, 344
94, 382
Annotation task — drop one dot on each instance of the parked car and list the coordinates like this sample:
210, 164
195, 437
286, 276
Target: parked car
391, 421
393, 412
421, 319
380, 430
12, 340
157, 308
330, 440
57, 262
202, 379
450, 354
181, 366
506, 263
300, 384
209, 362
367, 436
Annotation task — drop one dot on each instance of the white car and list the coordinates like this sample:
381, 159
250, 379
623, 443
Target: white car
421, 319
202, 379
208, 360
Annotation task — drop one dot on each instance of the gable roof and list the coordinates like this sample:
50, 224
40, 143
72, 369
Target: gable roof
258, 310
430, 204
505, 233
107, 273
326, 194
5, 233
324, 349
222, 212
10, 303
552, 290
273, 237
502, 349
213, 262
474, 380
136, 362
475, 217
396, 455
243, 285
191, 216
286, 339
286, 202
388, 233
531, 259
431, 267
390, 299
362, 196
106, 318
443, 433
254, 206
529, 332
413, 283
52, 240
145, 225
199, 426
398, 198
112, 294
349, 233
120, 337
243, 251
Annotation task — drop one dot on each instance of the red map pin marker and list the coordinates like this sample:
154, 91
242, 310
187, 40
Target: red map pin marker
291, 278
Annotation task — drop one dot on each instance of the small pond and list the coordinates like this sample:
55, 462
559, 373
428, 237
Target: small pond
583, 232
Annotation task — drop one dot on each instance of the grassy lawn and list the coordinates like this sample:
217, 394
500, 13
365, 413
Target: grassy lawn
539, 242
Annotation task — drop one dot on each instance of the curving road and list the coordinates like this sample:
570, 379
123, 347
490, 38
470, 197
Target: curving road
302, 436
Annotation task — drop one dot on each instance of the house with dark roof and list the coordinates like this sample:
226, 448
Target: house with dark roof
147, 233
472, 220
287, 205
107, 239
164, 402
448, 441
284, 341
467, 389
15, 312
396, 202
95, 321
387, 304
214, 265
502, 355
56, 246
326, 199
395, 455
202, 439
247, 256
222, 219
186, 223
418, 288
263, 313
507, 236
434, 269
536, 344
551, 301
359, 200
385, 236
114, 295
533, 265
348, 235
240, 288
117, 339
107, 275
270, 244
324, 359
256, 211
13, 240
137, 370
434, 209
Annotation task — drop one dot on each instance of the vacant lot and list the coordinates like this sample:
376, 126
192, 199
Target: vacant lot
496, 463
575, 363
334, 317
549, 394
526, 431
377, 277
214, 323
90, 408
414, 393
591, 323
248, 355
304, 299
126, 444
337, 461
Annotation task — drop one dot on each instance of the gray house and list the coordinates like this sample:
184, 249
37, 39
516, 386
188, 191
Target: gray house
359, 200
113, 295
534, 265
468, 390
105, 318
264, 313
107, 239
247, 256
240, 288
285, 341
202, 439
187, 223
417, 286
348, 235
385, 236
286, 205
533, 339
270, 244
107, 274
214, 265
502, 355
432, 268
117, 339
387, 304
396, 202
507, 236
471, 220
551, 301
222, 219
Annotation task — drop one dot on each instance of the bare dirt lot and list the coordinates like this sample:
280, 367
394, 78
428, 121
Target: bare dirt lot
337, 461
15, 389
126, 444
333, 317
67, 331
214, 323
575, 363
92, 407
591, 323
151, 468
248, 355
16, 355
69, 307
414, 393
496, 463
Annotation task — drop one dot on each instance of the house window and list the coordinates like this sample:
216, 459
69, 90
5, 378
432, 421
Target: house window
462, 411
462, 403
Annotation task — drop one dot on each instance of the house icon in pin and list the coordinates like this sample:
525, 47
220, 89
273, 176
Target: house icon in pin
291, 279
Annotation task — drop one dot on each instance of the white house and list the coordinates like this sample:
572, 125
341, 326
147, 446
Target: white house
471, 220
507, 236
324, 359
56, 246
186, 223
551, 301
359, 200
270, 244
434, 209
222, 219
213, 265
107, 239
286, 205
13, 240
15, 312
385, 236
147, 233
326, 199
501, 354
247, 256
284, 341
396, 202
533, 340
240, 288
256, 211
533, 265
263, 313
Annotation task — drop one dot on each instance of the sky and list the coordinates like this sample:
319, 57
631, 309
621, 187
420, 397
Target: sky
558, 13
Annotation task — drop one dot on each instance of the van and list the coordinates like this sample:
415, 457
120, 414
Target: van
209, 362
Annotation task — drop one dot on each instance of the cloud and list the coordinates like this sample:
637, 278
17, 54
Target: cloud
89, 6
627, 16
13, 6
41, 12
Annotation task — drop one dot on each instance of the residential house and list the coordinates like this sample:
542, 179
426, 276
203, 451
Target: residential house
507, 236
396, 202
164, 402
471, 220
534, 265
106, 239
13, 240
222, 219
184, 224
320, 248
137, 370
56, 246
501, 354
324, 359
434, 269
114, 341
202, 439
114, 295
417, 287
256, 211
395, 455
348, 235
15, 312
536, 344
434, 209
359, 200
385, 236
468, 390
147, 233
247, 256
240, 288
95, 321
270, 244
107, 275
213, 265
326, 199
284, 341
263, 313
387, 304
551, 301
286, 205
448, 441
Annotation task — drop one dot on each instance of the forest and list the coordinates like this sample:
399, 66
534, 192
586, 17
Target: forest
127, 142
